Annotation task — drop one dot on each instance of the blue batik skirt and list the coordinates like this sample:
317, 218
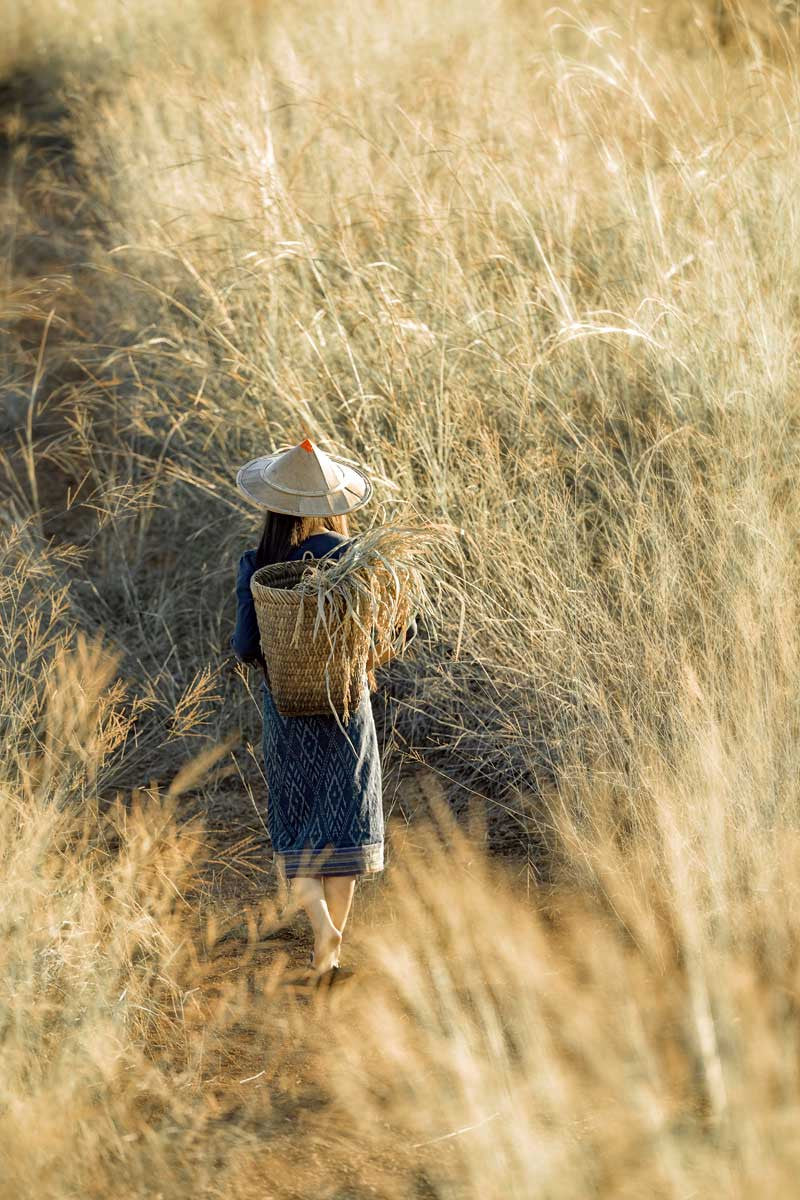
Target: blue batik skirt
324, 802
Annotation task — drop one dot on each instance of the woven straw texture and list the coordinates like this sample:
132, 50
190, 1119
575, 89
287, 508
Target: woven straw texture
307, 675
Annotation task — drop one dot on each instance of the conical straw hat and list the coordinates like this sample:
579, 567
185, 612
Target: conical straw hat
304, 482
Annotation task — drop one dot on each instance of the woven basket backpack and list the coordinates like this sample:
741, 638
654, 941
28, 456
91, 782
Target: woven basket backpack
308, 673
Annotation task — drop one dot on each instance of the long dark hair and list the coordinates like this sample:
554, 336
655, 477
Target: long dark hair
282, 532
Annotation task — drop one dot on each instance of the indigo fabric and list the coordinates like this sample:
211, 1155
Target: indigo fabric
325, 807
324, 789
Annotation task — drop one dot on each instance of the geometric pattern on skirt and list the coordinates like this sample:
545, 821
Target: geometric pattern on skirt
324, 791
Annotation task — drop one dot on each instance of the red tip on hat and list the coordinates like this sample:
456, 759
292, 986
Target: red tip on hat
306, 445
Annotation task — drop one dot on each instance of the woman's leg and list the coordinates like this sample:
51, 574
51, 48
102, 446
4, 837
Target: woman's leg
308, 893
338, 891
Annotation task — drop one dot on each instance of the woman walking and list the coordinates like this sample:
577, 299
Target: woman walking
325, 811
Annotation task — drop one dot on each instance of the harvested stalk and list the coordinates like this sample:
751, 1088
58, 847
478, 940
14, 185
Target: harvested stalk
326, 624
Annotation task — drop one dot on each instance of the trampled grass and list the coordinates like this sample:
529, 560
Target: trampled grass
536, 268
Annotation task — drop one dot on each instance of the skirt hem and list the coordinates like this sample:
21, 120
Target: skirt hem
332, 860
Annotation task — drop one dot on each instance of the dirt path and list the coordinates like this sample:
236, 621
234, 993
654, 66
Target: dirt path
48, 226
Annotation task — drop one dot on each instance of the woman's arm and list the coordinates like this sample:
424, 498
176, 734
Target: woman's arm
246, 642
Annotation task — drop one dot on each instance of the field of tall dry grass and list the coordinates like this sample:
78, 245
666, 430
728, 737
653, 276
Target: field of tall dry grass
538, 268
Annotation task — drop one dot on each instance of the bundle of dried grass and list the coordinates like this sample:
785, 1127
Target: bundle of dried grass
327, 624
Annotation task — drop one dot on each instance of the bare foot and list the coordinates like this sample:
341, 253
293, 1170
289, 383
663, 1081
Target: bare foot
326, 952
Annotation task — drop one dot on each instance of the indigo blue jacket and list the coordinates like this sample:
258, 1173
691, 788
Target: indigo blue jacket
245, 642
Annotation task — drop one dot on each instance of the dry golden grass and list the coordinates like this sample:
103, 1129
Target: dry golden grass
537, 268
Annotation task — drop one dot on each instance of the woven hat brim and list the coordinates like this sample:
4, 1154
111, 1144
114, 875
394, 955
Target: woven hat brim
356, 491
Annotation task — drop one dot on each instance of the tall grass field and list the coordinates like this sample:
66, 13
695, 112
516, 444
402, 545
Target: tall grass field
537, 268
